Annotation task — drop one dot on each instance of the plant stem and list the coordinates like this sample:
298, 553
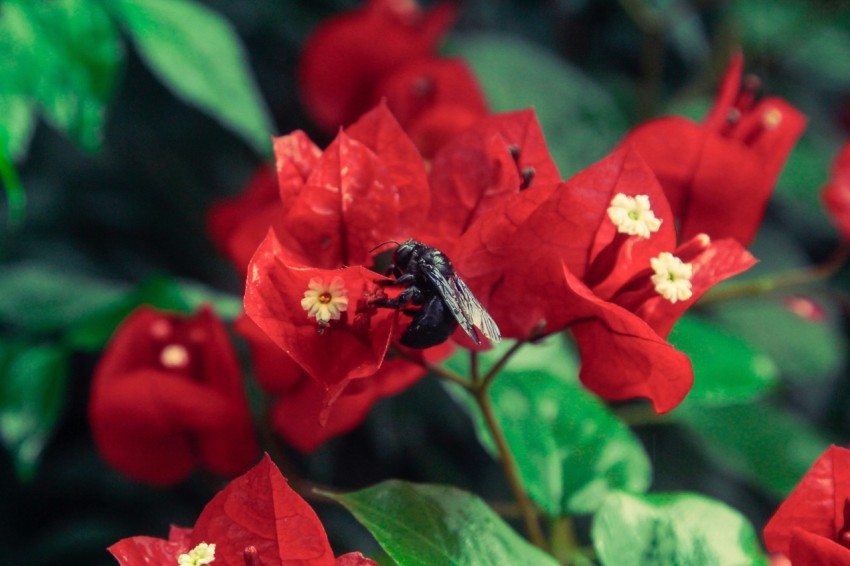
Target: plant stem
776, 281
509, 465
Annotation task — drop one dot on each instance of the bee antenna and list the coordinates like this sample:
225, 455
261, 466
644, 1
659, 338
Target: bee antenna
384, 244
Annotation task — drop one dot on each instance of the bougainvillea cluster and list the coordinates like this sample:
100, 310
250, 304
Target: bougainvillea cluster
614, 255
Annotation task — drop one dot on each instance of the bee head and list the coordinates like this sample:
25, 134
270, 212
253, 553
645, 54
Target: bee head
404, 252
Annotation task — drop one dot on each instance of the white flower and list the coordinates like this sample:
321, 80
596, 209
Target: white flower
633, 215
202, 554
325, 300
672, 277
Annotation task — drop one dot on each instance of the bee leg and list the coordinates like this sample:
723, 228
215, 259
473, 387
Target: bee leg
409, 295
405, 280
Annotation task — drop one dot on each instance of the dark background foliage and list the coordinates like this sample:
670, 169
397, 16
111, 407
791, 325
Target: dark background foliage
100, 224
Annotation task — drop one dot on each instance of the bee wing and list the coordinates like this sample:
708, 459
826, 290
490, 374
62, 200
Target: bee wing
463, 305
480, 317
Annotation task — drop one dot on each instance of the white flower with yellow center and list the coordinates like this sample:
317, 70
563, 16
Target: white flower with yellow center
202, 554
672, 277
325, 300
633, 215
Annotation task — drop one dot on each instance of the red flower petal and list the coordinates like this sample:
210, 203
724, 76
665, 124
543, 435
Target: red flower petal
809, 549
350, 348
427, 82
354, 559
295, 158
368, 187
712, 262
167, 395
483, 166
622, 357
259, 509
138, 551
836, 194
342, 61
817, 503
300, 401
719, 175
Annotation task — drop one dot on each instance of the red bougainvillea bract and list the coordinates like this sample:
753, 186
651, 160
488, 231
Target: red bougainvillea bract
167, 397
719, 175
256, 519
812, 525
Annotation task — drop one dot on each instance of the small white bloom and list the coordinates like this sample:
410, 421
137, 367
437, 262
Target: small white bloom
633, 215
202, 554
325, 300
672, 277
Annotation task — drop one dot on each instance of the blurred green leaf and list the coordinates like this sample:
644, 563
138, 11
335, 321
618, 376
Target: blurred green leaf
196, 53
15, 196
32, 395
802, 349
17, 122
581, 121
160, 291
767, 445
41, 298
726, 369
66, 56
768, 24
571, 451
666, 529
422, 525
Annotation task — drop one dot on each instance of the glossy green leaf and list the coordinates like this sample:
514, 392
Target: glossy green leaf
66, 54
580, 119
197, 54
726, 369
570, 449
423, 525
673, 529
32, 394
760, 441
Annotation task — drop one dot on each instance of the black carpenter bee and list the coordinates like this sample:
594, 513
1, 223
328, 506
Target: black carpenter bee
442, 298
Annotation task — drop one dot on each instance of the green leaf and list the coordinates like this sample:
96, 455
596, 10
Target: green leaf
673, 529
17, 122
32, 394
41, 298
15, 196
571, 451
579, 118
726, 369
159, 291
422, 525
67, 54
197, 54
759, 441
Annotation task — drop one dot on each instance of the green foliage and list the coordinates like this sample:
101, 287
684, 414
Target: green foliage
64, 55
762, 442
421, 525
571, 451
32, 395
579, 118
198, 56
726, 369
673, 529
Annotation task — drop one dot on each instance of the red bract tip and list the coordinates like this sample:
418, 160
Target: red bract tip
719, 175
